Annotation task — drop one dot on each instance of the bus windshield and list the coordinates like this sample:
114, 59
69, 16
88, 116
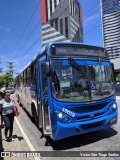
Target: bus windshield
83, 81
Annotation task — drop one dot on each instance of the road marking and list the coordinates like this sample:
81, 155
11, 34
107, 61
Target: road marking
26, 138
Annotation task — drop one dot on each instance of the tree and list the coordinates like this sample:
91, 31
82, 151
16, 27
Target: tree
7, 79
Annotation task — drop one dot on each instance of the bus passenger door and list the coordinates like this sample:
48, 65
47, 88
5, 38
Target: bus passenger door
44, 100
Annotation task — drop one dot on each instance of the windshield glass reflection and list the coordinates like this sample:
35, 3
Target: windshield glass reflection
101, 77
85, 83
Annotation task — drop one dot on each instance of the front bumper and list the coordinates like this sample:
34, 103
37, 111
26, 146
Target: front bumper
63, 130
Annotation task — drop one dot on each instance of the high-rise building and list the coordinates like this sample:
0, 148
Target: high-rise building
61, 21
110, 11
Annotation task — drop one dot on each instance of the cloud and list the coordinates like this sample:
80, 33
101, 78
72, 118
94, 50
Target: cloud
8, 30
91, 18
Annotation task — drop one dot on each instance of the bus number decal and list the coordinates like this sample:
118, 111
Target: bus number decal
41, 59
68, 112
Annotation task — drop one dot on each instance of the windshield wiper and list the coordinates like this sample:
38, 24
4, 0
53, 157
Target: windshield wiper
76, 66
80, 70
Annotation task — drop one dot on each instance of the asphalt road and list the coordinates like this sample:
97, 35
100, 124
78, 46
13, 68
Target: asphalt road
105, 140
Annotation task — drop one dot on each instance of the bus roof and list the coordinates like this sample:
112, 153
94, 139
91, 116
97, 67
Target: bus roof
71, 43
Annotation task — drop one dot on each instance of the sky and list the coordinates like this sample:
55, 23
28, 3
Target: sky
20, 28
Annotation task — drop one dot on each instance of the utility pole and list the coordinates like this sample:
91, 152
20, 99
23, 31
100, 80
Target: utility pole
10, 66
1, 69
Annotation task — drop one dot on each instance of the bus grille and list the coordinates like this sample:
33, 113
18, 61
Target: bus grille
88, 116
92, 125
90, 108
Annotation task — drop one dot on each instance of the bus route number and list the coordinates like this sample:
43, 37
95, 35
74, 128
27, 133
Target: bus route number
68, 112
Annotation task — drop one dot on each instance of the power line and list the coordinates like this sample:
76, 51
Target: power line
44, 32
27, 24
29, 36
94, 28
92, 8
90, 15
29, 48
32, 32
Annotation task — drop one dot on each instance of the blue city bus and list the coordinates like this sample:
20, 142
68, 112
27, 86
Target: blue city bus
68, 89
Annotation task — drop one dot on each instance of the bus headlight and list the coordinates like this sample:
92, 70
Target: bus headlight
64, 118
60, 115
112, 108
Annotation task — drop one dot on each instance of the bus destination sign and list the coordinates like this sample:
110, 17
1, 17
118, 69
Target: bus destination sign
78, 51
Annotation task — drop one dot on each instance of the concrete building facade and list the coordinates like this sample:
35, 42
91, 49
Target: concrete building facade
61, 21
110, 15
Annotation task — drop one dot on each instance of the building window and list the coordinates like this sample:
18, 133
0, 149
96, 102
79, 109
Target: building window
71, 7
55, 4
110, 6
61, 26
50, 7
46, 11
56, 24
66, 27
51, 23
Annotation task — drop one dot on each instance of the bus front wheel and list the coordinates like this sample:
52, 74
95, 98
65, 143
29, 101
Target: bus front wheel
34, 115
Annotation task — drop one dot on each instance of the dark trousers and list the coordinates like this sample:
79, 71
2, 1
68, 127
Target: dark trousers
8, 119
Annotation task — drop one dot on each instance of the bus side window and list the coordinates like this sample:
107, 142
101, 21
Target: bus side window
33, 75
44, 80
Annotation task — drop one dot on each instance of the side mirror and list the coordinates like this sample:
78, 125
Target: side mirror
48, 69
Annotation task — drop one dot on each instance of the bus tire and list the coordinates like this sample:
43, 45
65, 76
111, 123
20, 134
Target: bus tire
34, 114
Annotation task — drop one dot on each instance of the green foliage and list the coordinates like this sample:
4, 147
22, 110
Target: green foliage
7, 79
118, 78
0, 81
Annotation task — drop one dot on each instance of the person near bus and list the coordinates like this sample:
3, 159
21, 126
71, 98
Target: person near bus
7, 105
1, 97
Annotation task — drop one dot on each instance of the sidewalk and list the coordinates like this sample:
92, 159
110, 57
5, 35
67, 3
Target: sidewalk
18, 143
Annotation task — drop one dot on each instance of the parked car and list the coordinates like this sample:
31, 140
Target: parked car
11, 90
2, 89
